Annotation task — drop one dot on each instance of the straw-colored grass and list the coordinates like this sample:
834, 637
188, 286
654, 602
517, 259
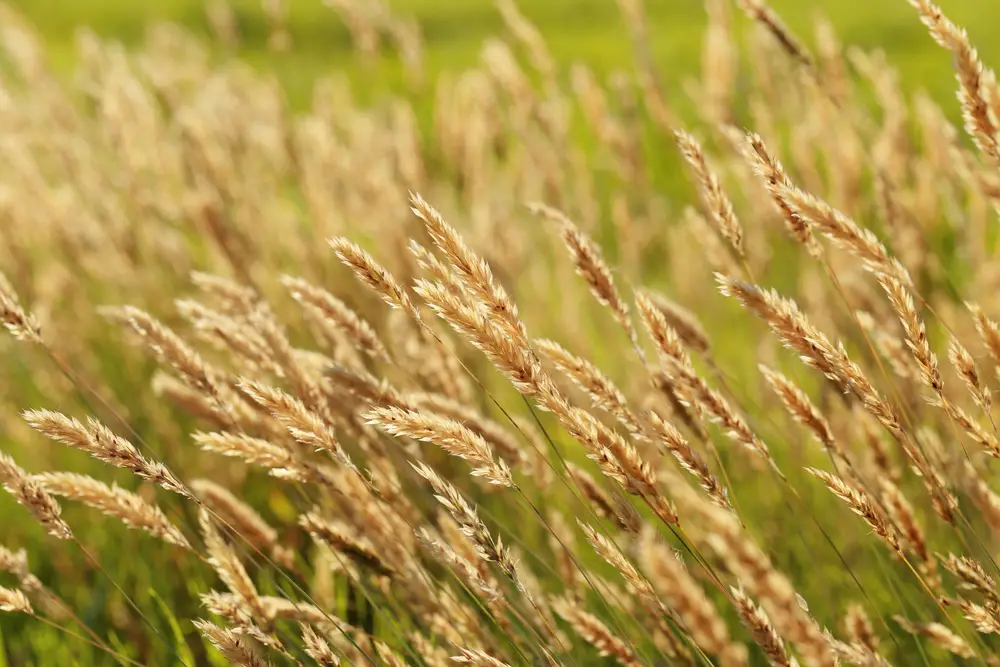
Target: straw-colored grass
520, 365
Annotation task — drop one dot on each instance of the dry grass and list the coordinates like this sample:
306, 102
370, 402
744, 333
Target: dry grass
463, 388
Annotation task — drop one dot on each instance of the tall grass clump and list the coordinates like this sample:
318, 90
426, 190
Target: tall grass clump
447, 378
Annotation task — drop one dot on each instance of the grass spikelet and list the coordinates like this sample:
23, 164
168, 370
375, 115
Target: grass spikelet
430, 652
965, 366
364, 385
232, 333
33, 496
972, 575
243, 518
984, 620
256, 451
620, 461
595, 633
22, 324
900, 512
696, 392
499, 438
908, 528
800, 407
447, 555
490, 550
191, 401
374, 275
232, 297
773, 590
855, 654
926, 360
317, 648
302, 423
590, 265
16, 563
685, 323
282, 357
770, 170
333, 315
668, 342
762, 13
680, 591
939, 635
989, 331
622, 513
712, 193
862, 505
114, 501
813, 347
168, 347
389, 656
450, 435
602, 391
985, 499
674, 441
272, 609
916, 332
227, 565
607, 550
473, 270
844, 232
514, 359
338, 537
435, 268
100, 442
529, 36
973, 93
757, 622
474, 656
859, 628
238, 650
14, 601
716, 249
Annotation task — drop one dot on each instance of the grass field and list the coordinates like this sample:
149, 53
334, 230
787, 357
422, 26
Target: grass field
120, 184
589, 31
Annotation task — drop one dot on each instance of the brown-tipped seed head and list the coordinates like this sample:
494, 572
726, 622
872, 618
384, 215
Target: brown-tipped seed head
862, 505
30, 493
590, 265
718, 204
115, 502
21, 324
452, 436
763, 632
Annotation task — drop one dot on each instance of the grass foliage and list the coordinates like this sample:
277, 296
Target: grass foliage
569, 334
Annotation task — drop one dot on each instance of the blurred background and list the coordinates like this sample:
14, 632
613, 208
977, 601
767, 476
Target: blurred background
452, 33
